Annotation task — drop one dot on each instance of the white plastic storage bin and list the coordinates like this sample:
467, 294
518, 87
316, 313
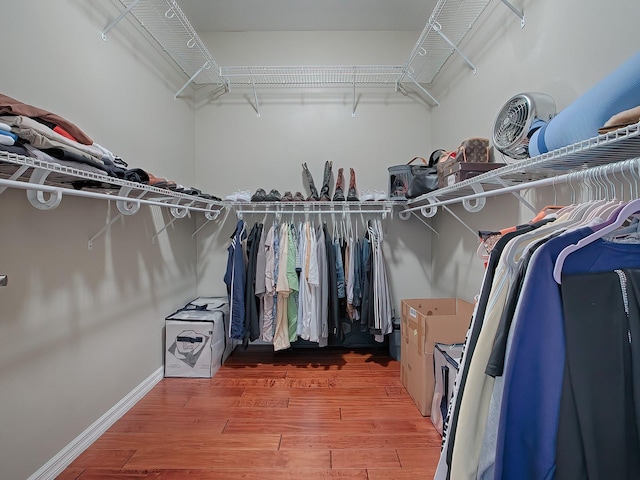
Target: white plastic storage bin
446, 360
195, 338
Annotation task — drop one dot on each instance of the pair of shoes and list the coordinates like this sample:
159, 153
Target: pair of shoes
372, 195
325, 195
312, 187
352, 194
325, 191
273, 196
239, 196
298, 197
262, 196
287, 197
259, 195
338, 196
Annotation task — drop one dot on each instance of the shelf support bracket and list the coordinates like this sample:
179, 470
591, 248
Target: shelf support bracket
193, 77
104, 229
353, 112
479, 202
210, 216
255, 95
18, 173
518, 196
438, 28
117, 19
128, 208
36, 197
424, 90
518, 12
474, 232
154, 239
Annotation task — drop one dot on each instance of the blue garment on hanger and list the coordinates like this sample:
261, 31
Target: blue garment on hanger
234, 278
527, 435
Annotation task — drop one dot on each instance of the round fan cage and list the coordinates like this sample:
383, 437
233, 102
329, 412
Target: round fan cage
513, 123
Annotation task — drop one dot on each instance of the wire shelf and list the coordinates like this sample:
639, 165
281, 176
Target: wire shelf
19, 169
452, 20
313, 76
609, 148
169, 27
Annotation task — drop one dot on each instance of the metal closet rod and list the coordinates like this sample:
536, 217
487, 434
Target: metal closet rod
102, 196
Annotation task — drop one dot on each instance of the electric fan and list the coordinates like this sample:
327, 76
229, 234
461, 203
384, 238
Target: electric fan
522, 115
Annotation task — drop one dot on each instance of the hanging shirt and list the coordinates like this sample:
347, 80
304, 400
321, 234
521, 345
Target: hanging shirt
270, 287
322, 306
234, 278
535, 363
292, 279
281, 335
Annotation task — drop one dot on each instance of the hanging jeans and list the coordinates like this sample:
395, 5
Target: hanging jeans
598, 427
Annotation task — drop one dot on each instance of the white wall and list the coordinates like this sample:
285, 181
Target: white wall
236, 150
564, 49
80, 328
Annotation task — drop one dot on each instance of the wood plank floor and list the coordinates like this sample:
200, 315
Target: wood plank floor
302, 414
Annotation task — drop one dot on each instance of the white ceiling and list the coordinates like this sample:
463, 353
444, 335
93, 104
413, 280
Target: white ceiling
307, 15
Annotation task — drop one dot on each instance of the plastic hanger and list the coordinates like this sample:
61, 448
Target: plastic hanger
544, 212
615, 221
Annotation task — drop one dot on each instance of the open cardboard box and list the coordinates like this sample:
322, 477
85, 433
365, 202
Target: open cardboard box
424, 322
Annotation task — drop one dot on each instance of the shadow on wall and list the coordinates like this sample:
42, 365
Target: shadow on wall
51, 269
457, 268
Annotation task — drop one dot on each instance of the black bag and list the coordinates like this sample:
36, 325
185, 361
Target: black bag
424, 177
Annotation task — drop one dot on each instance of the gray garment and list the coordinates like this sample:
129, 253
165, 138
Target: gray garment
261, 266
323, 275
45, 157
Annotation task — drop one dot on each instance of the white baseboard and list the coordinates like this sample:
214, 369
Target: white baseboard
68, 454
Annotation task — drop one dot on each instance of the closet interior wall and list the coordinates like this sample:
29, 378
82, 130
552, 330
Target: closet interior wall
237, 150
80, 328
557, 53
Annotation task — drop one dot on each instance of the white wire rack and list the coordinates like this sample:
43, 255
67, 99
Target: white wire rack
313, 76
340, 209
544, 170
40, 177
165, 21
447, 26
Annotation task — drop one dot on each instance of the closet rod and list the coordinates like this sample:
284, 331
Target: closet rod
285, 212
626, 164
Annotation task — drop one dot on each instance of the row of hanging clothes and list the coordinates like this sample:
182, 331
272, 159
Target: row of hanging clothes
549, 381
303, 280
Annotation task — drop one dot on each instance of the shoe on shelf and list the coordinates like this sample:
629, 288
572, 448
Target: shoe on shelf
239, 196
259, 196
338, 195
379, 196
273, 196
298, 197
244, 195
366, 196
352, 193
287, 197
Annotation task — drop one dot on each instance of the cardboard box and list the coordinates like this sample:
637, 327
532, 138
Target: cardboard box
425, 322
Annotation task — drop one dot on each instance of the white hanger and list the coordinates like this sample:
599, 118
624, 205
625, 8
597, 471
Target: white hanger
611, 224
